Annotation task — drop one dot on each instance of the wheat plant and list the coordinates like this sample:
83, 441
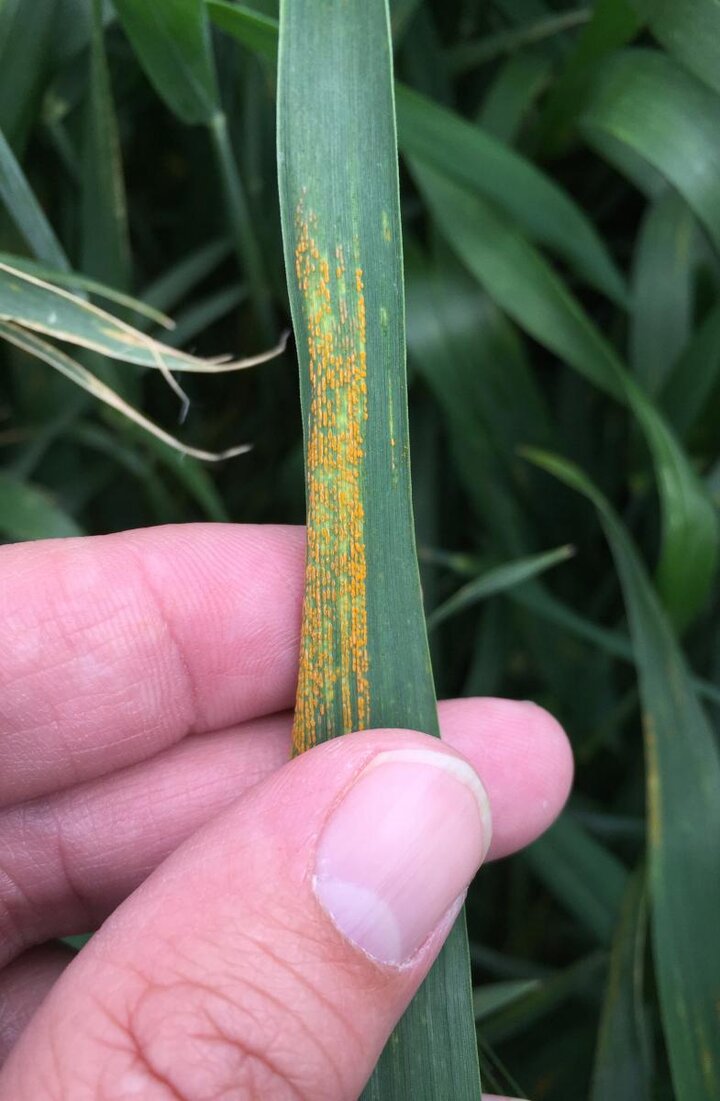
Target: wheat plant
548, 250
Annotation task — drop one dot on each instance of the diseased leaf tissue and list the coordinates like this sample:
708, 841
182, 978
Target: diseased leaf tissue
334, 662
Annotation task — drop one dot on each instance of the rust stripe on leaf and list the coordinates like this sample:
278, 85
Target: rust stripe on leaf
333, 682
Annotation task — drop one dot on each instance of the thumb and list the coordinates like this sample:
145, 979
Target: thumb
273, 953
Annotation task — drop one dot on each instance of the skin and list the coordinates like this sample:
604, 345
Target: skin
145, 686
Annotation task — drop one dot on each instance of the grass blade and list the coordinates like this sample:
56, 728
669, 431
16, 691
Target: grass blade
614, 23
614, 643
494, 996
472, 360
86, 380
240, 219
644, 100
192, 475
584, 875
691, 31
498, 580
23, 63
482, 164
402, 13
690, 384
341, 230
517, 277
423, 59
469, 55
573, 982
683, 792
256, 31
72, 30
523, 284
165, 292
24, 209
204, 312
510, 96
663, 279
74, 280
105, 236
34, 304
100, 441
476, 159
621, 1071
29, 512
520, 12
172, 43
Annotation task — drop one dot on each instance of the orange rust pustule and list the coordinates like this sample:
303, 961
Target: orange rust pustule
333, 690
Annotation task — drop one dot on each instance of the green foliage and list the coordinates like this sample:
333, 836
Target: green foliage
27, 512
560, 194
622, 1061
681, 757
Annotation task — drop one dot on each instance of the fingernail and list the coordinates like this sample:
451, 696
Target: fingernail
400, 848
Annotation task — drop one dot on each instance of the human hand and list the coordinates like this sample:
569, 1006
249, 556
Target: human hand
144, 783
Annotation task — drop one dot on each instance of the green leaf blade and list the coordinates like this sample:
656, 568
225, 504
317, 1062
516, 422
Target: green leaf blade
621, 1071
343, 256
662, 290
29, 512
32, 303
683, 793
498, 580
586, 877
645, 101
691, 31
24, 209
258, 32
477, 160
105, 234
521, 281
173, 44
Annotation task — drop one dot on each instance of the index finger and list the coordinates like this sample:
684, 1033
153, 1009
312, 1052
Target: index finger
115, 647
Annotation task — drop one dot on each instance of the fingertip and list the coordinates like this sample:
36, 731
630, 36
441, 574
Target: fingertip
388, 889
523, 756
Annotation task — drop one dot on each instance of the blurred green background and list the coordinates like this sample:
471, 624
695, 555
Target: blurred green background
560, 177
